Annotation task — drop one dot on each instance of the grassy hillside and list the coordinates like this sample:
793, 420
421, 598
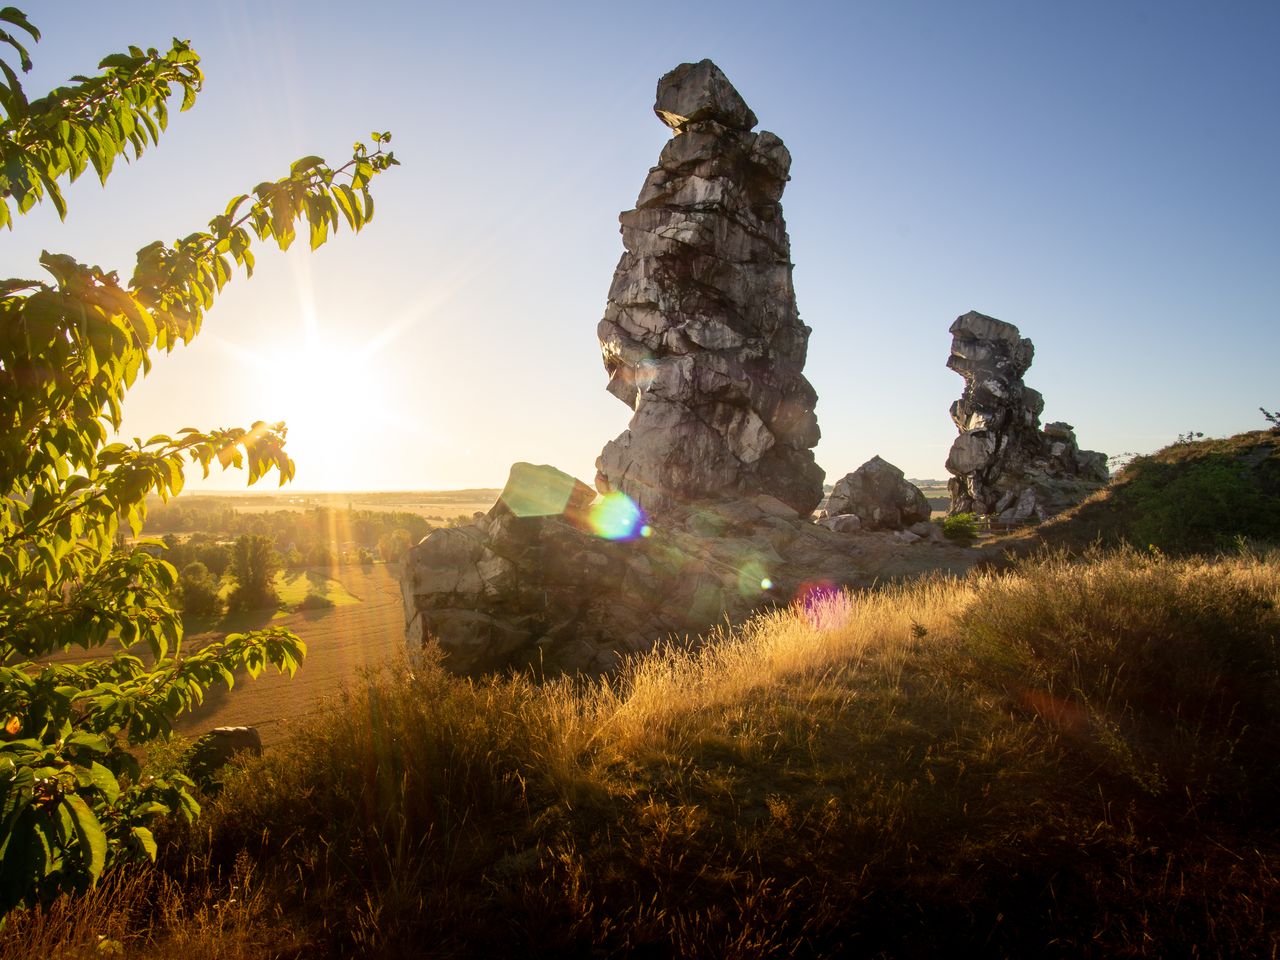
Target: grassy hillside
1192, 496
1068, 759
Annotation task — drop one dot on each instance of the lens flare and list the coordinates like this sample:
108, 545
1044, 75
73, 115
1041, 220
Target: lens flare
753, 579
822, 604
617, 517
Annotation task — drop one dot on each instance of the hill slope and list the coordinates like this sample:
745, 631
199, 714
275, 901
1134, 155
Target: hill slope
1188, 497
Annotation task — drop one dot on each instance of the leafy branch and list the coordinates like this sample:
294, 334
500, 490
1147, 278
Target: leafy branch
72, 798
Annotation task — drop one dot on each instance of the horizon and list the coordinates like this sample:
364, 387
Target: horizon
1099, 177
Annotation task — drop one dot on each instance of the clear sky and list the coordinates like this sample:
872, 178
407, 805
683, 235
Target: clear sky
1103, 175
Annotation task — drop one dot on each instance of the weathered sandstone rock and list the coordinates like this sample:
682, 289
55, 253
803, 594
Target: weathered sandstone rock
554, 593
880, 495
1003, 463
701, 336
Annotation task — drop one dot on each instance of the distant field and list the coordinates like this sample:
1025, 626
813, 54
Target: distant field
444, 504
936, 493
364, 628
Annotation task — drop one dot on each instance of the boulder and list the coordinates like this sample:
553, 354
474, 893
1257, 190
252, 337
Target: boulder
1003, 463
701, 337
842, 523
213, 751
700, 91
879, 494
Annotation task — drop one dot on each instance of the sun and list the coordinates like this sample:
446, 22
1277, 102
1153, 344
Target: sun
332, 400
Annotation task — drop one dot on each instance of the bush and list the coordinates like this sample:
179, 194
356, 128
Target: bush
1204, 505
960, 526
315, 601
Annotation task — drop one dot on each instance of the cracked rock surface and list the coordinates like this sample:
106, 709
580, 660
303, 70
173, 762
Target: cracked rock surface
701, 336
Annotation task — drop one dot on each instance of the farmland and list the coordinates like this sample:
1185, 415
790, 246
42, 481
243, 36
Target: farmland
365, 631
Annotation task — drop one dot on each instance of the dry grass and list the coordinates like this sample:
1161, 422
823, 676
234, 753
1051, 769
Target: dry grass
150, 915
1069, 759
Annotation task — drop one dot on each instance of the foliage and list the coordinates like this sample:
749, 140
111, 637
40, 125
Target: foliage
72, 799
315, 601
1203, 506
254, 564
1272, 418
960, 526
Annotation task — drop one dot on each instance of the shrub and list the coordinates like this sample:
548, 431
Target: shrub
1203, 505
960, 526
315, 601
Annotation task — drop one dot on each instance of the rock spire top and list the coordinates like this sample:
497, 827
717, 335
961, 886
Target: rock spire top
700, 91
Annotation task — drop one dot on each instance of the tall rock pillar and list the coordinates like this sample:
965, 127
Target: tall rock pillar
701, 336
1002, 463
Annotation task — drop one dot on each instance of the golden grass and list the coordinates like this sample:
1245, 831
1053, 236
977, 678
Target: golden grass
1073, 758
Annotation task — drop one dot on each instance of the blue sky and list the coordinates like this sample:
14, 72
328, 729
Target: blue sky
1101, 174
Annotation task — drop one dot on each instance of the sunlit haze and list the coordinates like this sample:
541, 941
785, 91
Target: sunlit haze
1100, 174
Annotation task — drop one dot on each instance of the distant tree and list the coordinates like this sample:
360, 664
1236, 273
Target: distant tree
72, 800
198, 591
1272, 418
254, 564
215, 556
392, 546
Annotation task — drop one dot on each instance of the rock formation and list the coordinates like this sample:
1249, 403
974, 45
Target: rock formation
1003, 463
702, 500
880, 496
551, 582
701, 336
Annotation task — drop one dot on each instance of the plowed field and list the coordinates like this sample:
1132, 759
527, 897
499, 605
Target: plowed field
340, 641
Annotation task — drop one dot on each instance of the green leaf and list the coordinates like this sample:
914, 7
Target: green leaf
105, 781
93, 841
145, 840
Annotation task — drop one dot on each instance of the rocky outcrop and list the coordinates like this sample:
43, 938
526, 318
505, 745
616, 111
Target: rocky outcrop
1003, 463
880, 496
701, 336
577, 590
